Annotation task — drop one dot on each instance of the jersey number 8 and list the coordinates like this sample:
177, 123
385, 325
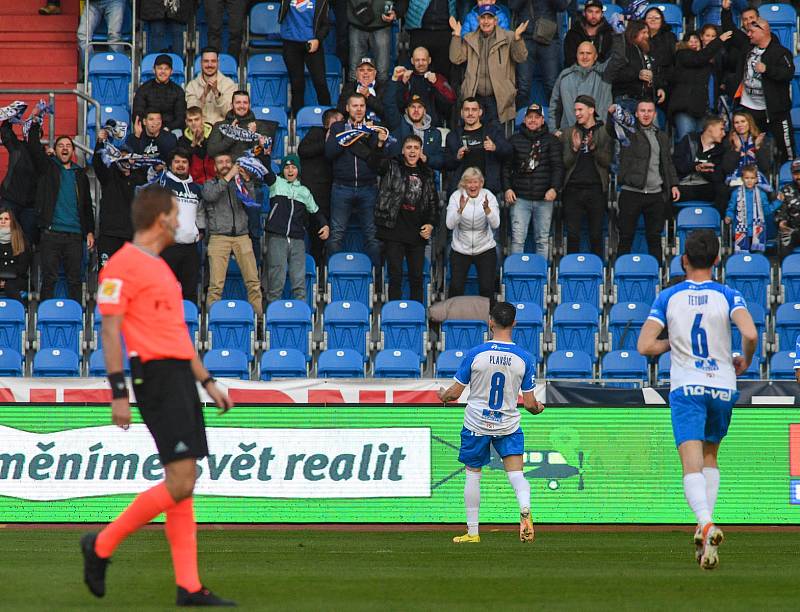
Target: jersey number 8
496, 390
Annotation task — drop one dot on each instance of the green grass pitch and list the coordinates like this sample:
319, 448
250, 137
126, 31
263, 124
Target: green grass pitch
41, 569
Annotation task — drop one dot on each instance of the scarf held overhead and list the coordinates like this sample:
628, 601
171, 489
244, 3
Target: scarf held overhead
356, 133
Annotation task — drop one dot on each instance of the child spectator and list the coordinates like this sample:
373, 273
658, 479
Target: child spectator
194, 139
788, 215
748, 207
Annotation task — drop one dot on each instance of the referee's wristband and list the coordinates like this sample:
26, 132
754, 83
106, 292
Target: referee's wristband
208, 381
118, 387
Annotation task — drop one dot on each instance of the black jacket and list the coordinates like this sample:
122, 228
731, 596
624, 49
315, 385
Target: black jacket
635, 158
662, 50
167, 98
731, 157
603, 148
494, 161
542, 151
622, 71
49, 180
737, 47
160, 146
317, 169
689, 92
686, 152
19, 184
392, 190
156, 10
577, 35
219, 143
778, 76
353, 166
321, 23
374, 103
115, 203
14, 270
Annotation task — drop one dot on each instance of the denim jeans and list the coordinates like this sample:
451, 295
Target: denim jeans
113, 11
376, 44
547, 57
686, 124
343, 200
522, 212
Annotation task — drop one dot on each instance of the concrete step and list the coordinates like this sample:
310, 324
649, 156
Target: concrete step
33, 24
43, 74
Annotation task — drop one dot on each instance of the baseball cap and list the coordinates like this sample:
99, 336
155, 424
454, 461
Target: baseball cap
416, 99
595, 3
534, 108
484, 9
795, 166
163, 59
366, 60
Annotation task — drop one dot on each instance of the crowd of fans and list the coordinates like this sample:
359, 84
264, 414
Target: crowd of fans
705, 118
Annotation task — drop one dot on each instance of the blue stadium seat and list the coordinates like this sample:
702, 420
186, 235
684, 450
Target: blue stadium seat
576, 327
624, 322
13, 323
787, 326
524, 278
340, 363
676, 268
397, 363
346, 325
662, 369
790, 279
404, 326
311, 284
795, 93
754, 371
636, 279
712, 15
699, 217
11, 363
56, 362
463, 334
781, 365
750, 274
333, 78
448, 362
278, 114
308, 117
673, 16
760, 319
117, 113
782, 19
97, 363
569, 364
580, 279
234, 288
59, 324
231, 325
624, 364
147, 68
191, 317
527, 332
785, 173
227, 363
265, 31
609, 10
110, 79
289, 326
268, 80
227, 66
350, 279
283, 363
795, 113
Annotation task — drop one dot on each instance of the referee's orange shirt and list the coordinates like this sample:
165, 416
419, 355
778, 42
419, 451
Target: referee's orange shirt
143, 288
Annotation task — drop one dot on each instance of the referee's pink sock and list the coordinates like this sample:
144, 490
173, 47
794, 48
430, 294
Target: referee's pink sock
182, 535
147, 506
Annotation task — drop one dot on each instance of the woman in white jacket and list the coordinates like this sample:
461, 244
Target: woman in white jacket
473, 214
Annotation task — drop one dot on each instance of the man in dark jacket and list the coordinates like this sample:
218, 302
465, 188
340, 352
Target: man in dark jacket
162, 95
591, 27
632, 71
698, 159
432, 88
18, 189
532, 178
241, 116
64, 212
738, 46
474, 144
788, 215
366, 84
149, 137
647, 178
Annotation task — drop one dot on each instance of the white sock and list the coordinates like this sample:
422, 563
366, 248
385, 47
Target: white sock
694, 486
711, 475
472, 500
522, 489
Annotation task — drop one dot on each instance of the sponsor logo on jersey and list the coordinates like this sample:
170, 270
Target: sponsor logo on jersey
110, 291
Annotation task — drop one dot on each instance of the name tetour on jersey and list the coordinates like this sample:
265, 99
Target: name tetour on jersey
496, 372
698, 320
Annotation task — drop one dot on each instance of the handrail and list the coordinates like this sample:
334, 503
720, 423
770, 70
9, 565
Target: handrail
52, 93
124, 43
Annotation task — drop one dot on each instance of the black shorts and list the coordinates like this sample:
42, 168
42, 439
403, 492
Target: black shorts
170, 407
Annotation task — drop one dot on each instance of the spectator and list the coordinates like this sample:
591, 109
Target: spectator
407, 209
584, 78
210, 90
119, 185
662, 43
183, 257
65, 214
194, 139
148, 137
476, 145
698, 160
290, 202
167, 24
745, 146
472, 18
304, 25
52, 7
237, 13
415, 120
319, 173
354, 179
473, 214
163, 95
788, 215
646, 175
366, 85
18, 189
532, 179
738, 47
720, 64
462, 307
749, 207
766, 79
15, 257
436, 93
113, 11
371, 33
541, 40
587, 157
428, 25
239, 116
591, 27
228, 230
489, 76
632, 71
688, 102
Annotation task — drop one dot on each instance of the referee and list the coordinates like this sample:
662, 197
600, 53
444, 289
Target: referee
140, 298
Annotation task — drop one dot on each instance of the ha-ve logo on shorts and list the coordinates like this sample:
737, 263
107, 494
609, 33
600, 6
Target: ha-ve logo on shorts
721, 394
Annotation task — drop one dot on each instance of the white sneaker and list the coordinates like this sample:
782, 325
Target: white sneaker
712, 538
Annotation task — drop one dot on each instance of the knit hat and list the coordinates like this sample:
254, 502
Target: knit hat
291, 159
586, 101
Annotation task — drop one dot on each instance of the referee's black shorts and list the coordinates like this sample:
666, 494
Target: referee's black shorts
170, 407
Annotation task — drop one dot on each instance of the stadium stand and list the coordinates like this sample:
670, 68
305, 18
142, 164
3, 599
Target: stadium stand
13, 326
569, 364
576, 328
396, 363
227, 363
624, 364
750, 273
59, 325
580, 279
403, 325
11, 363
289, 325
231, 325
463, 334
528, 329
524, 278
635, 279
781, 365
283, 363
56, 363
346, 325
624, 322
340, 363
447, 362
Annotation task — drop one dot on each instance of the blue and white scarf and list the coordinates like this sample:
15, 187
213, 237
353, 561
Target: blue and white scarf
243, 135
15, 110
355, 133
748, 238
635, 10
253, 166
112, 155
624, 124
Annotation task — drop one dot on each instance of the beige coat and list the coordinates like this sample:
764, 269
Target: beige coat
504, 56
214, 107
